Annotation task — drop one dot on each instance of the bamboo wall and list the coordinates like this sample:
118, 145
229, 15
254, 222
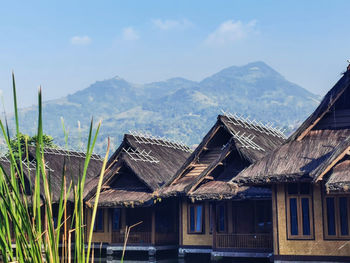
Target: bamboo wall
316, 247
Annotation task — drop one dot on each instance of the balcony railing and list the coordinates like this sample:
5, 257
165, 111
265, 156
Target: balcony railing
134, 238
244, 241
145, 238
166, 238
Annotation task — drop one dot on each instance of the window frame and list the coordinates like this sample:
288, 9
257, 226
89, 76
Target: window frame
113, 217
266, 214
298, 196
202, 231
101, 210
337, 235
211, 223
224, 205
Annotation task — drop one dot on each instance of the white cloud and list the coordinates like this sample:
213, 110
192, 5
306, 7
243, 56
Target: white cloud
80, 40
168, 24
230, 32
129, 33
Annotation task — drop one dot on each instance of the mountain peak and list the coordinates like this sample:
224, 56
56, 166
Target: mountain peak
262, 66
116, 77
253, 70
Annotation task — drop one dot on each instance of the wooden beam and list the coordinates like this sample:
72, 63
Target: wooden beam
105, 183
195, 158
201, 180
184, 171
209, 177
329, 167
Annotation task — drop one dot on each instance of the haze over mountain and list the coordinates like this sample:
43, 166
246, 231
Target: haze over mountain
176, 108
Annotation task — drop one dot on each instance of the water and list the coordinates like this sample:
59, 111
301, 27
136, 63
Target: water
169, 259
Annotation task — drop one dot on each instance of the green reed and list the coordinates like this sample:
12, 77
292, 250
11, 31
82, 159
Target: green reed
27, 229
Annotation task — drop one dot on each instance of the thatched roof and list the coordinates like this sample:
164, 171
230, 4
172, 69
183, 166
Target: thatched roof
339, 178
222, 154
148, 162
5, 164
309, 151
335, 170
220, 190
116, 197
68, 163
340, 151
59, 163
295, 160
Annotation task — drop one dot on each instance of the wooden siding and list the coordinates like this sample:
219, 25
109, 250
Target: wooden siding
316, 247
204, 239
336, 119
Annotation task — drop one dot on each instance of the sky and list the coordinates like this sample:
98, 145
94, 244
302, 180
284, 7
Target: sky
65, 46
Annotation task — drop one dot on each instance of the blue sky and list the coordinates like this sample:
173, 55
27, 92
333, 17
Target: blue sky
67, 45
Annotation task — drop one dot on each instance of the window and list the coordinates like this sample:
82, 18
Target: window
98, 227
211, 222
221, 218
299, 211
196, 212
115, 219
336, 217
263, 216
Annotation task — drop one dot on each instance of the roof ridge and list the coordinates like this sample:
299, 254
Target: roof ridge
137, 155
147, 138
256, 125
58, 150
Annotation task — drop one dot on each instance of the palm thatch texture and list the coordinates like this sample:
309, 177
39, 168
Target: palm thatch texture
28, 196
317, 151
137, 169
232, 144
58, 162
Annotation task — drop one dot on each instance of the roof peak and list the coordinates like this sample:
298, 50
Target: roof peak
325, 106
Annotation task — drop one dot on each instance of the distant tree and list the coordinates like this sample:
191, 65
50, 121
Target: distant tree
30, 141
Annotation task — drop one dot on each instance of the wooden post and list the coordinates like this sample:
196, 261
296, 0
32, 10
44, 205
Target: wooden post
180, 223
275, 220
153, 237
213, 218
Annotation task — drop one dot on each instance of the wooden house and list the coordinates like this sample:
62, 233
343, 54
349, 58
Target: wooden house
214, 214
310, 176
135, 172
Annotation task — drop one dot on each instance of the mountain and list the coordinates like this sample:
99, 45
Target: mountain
177, 108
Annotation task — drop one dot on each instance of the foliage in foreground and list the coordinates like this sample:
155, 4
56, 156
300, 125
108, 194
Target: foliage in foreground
27, 140
22, 216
